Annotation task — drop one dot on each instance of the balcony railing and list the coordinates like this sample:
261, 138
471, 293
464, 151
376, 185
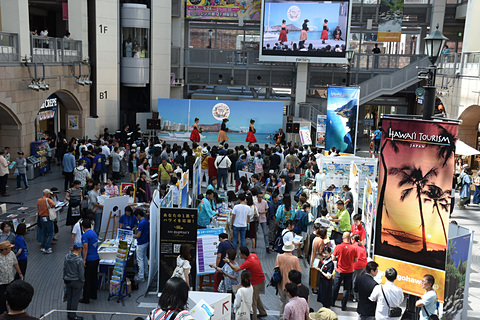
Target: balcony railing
8, 47
466, 64
49, 49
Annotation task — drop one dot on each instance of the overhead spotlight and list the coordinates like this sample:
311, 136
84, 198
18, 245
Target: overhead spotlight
34, 86
88, 81
80, 82
47, 86
42, 86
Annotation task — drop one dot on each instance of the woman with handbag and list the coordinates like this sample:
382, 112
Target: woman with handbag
46, 214
244, 298
183, 262
173, 302
74, 198
252, 229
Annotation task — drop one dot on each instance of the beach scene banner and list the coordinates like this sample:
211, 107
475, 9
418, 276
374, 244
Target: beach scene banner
178, 116
390, 18
342, 106
415, 180
224, 10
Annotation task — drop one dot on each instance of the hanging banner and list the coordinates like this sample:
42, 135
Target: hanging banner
305, 136
390, 18
321, 130
224, 10
415, 178
177, 226
342, 105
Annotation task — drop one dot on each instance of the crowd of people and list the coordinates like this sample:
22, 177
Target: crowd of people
273, 204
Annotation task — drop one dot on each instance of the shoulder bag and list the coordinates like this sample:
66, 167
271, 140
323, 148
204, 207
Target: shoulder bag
243, 313
178, 272
394, 312
432, 316
52, 213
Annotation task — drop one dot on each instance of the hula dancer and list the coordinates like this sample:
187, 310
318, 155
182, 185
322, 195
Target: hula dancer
283, 33
222, 134
195, 135
251, 134
324, 35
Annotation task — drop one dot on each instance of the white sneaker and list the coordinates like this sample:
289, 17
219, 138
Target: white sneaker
42, 250
49, 250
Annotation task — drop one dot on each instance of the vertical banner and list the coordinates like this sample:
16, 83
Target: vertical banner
177, 226
457, 276
207, 248
354, 185
154, 235
369, 201
321, 130
305, 136
415, 179
390, 18
342, 105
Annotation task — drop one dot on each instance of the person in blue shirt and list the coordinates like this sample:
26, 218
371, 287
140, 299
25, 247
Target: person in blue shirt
97, 165
21, 249
206, 210
239, 167
91, 260
175, 191
86, 159
127, 220
68, 164
213, 183
377, 136
143, 237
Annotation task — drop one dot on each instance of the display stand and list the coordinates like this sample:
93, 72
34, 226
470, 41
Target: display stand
114, 224
118, 281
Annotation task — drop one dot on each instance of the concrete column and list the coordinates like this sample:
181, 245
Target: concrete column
301, 86
438, 14
471, 40
78, 23
160, 59
15, 19
107, 35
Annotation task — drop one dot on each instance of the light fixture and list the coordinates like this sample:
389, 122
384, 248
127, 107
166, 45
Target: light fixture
80, 82
210, 33
349, 53
433, 44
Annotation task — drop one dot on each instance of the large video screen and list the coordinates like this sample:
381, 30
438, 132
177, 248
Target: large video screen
305, 30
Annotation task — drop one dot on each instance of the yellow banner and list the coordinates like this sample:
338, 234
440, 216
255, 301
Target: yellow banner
410, 276
389, 36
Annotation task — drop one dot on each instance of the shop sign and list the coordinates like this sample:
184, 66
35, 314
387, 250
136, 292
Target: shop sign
49, 103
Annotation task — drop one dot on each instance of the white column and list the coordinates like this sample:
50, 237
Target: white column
301, 86
161, 33
438, 14
471, 40
15, 19
78, 23
107, 35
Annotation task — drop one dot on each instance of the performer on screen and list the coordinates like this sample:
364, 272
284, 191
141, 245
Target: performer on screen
303, 34
222, 134
280, 137
195, 135
324, 35
283, 34
251, 134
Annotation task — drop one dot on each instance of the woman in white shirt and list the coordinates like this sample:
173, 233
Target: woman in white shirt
244, 298
183, 261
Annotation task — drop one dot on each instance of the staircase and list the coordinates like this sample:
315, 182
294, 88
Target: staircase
388, 84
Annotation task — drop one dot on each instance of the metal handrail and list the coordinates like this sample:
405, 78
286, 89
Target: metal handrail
93, 312
8, 47
50, 49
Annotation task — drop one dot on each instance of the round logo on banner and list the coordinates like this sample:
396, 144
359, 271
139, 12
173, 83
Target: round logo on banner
220, 111
293, 13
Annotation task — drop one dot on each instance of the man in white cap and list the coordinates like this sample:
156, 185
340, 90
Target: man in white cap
286, 262
43, 204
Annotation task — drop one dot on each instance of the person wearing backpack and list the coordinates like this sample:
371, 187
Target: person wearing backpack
285, 211
301, 224
287, 235
173, 302
286, 261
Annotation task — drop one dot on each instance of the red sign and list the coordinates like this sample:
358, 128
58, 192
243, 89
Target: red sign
65, 10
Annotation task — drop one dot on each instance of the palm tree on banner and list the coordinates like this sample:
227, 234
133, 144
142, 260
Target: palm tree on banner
445, 152
412, 176
439, 199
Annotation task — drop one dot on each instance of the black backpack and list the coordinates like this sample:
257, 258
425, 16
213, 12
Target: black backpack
278, 245
276, 278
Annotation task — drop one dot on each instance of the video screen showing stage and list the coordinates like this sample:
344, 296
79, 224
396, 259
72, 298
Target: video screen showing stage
304, 29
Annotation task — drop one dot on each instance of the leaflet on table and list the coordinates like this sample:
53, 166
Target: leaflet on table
125, 235
202, 311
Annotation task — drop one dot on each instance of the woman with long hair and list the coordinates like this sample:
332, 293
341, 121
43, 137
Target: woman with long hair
252, 230
244, 297
324, 35
348, 199
303, 33
251, 134
172, 304
222, 134
183, 261
283, 33
195, 135
324, 283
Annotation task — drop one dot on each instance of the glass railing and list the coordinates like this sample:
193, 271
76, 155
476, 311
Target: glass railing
8, 47
459, 64
49, 49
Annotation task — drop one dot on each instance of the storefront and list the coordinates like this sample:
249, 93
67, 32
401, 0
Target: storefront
47, 118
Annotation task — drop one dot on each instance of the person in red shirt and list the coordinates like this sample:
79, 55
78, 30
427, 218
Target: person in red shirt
360, 265
357, 228
253, 265
346, 255
212, 170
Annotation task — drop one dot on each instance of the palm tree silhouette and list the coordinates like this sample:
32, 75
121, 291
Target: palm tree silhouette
439, 199
445, 152
412, 176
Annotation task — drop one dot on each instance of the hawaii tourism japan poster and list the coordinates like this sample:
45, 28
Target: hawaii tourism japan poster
415, 179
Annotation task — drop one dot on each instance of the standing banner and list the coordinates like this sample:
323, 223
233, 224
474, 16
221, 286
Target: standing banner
224, 10
369, 202
321, 130
342, 105
154, 235
177, 226
415, 179
390, 18
207, 247
305, 136
354, 186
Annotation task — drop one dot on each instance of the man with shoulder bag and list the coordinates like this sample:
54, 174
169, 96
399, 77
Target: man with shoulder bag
388, 297
46, 212
428, 303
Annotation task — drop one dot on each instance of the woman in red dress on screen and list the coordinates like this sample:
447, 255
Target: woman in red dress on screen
324, 35
195, 135
283, 33
251, 134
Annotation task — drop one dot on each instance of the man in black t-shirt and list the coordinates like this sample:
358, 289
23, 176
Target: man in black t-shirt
222, 249
295, 276
364, 286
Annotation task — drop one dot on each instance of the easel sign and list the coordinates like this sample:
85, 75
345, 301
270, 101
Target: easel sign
124, 186
112, 209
